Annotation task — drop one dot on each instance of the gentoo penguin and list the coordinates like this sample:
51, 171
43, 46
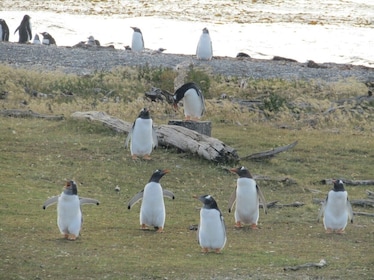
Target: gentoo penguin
36, 40
137, 43
336, 209
152, 210
246, 195
212, 229
204, 50
48, 39
92, 41
69, 213
24, 30
4, 31
142, 135
194, 104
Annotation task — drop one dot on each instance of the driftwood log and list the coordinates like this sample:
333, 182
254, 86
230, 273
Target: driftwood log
178, 137
321, 264
354, 202
349, 182
15, 113
202, 127
270, 153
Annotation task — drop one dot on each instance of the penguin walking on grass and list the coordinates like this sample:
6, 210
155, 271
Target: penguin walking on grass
24, 30
152, 210
194, 103
336, 209
4, 31
212, 228
69, 213
48, 39
204, 50
137, 43
142, 135
247, 195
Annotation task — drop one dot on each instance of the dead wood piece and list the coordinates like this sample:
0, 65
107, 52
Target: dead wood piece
15, 113
202, 127
370, 193
270, 153
363, 202
349, 182
294, 204
175, 136
271, 204
321, 264
363, 214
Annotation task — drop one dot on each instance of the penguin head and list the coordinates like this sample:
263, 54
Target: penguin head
157, 175
136, 29
338, 186
26, 18
208, 201
179, 93
45, 35
242, 172
205, 30
71, 188
144, 114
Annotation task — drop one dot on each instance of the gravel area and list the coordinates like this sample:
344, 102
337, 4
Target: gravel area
84, 61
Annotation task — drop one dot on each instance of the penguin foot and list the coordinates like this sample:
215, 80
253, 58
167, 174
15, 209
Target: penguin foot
66, 235
238, 225
72, 237
254, 226
217, 251
329, 230
134, 157
147, 157
205, 250
160, 229
144, 226
340, 231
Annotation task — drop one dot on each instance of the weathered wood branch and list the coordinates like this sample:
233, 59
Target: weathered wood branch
355, 202
321, 264
15, 113
363, 214
178, 137
270, 153
349, 182
274, 204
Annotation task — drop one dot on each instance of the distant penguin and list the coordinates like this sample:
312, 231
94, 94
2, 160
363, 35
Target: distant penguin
204, 49
92, 41
24, 30
69, 213
212, 229
4, 31
336, 209
48, 39
142, 135
194, 104
152, 210
137, 43
36, 40
246, 195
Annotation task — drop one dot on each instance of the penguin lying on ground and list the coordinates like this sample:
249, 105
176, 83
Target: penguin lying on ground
4, 31
194, 104
24, 30
204, 50
36, 40
336, 209
212, 229
152, 210
246, 195
142, 135
69, 213
48, 39
137, 43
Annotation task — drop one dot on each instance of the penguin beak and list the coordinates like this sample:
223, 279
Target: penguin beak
165, 171
233, 170
67, 185
175, 106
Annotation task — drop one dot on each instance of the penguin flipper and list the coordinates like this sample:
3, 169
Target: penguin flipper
262, 198
168, 194
321, 211
128, 139
135, 199
86, 200
232, 200
16, 30
154, 137
350, 211
50, 201
202, 101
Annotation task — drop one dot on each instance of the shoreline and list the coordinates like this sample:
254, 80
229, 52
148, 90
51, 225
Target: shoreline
85, 61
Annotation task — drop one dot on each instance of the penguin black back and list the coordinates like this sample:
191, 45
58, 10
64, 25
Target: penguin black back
179, 93
4, 31
24, 30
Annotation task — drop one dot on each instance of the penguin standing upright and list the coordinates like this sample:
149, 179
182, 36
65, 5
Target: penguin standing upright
336, 209
194, 104
246, 195
137, 43
212, 229
48, 39
24, 30
204, 50
69, 213
4, 31
142, 135
152, 210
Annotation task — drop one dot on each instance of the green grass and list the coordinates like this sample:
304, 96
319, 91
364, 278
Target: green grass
37, 156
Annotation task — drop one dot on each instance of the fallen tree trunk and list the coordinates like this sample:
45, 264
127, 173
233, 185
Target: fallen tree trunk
349, 182
15, 113
178, 137
270, 153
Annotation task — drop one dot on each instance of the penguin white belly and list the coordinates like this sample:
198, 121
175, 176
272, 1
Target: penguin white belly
141, 138
152, 210
247, 203
204, 48
193, 106
211, 229
69, 215
137, 42
336, 211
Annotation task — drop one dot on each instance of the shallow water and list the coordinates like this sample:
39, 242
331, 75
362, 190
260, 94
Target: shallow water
340, 31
